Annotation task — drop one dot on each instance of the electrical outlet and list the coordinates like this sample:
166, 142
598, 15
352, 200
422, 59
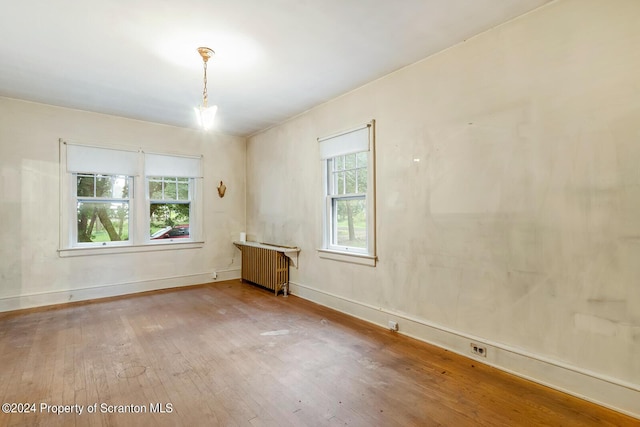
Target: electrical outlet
478, 350
393, 325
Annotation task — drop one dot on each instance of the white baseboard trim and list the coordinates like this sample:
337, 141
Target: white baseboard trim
104, 291
605, 391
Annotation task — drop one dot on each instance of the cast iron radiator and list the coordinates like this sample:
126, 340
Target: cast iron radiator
265, 267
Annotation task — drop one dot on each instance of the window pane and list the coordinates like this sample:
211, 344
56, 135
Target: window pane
104, 187
362, 180
166, 217
183, 191
85, 184
338, 163
362, 159
339, 183
350, 161
121, 187
350, 222
170, 190
103, 222
350, 181
155, 190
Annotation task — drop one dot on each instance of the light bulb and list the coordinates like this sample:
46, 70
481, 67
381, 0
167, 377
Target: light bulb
205, 116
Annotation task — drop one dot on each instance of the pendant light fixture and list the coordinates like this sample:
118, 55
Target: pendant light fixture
204, 113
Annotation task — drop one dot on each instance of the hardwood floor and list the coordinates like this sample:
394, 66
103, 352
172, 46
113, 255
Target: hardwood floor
232, 354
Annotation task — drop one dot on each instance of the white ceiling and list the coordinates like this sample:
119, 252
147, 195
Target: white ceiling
274, 58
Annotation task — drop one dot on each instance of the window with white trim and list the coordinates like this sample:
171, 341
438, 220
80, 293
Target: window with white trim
102, 208
171, 200
116, 198
169, 207
348, 166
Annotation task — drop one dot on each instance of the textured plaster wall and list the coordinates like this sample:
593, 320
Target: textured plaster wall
30, 200
520, 224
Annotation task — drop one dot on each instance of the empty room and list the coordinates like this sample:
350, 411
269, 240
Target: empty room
320, 213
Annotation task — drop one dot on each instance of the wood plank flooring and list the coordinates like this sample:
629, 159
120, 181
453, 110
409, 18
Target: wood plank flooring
231, 354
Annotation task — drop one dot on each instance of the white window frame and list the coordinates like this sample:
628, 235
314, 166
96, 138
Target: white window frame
137, 165
335, 195
193, 208
357, 140
165, 165
74, 211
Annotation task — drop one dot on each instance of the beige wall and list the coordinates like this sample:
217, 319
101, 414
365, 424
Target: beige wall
520, 226
31, 271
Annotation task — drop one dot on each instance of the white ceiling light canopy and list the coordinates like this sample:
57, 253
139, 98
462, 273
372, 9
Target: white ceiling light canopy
204, 113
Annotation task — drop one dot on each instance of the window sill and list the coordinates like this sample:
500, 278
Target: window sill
101, 250
353, 258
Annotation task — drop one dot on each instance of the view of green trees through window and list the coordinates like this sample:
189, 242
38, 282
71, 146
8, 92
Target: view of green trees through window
351, 222
169, 203
349, 175
102, 207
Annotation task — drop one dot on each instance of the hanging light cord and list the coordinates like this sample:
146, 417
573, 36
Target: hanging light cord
204, 113
204, 92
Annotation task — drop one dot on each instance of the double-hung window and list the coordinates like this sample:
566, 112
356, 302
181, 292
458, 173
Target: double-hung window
349, 198
171, 194
98, 199
169, 207
117, 198
102, 208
